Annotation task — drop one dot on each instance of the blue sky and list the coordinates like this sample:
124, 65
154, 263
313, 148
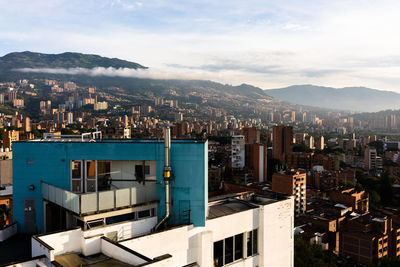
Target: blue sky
265, 43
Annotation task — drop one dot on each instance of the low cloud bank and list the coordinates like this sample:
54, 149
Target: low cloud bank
100, 71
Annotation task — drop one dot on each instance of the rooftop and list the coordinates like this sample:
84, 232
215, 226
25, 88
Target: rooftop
227, 207
97, 260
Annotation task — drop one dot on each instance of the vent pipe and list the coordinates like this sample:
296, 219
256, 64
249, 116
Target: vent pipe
167, 176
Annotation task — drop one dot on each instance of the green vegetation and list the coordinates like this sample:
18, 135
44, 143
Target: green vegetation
378, 145
379, 189
65, 60
301, 148
310, 255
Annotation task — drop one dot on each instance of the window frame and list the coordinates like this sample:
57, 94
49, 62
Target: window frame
76, 179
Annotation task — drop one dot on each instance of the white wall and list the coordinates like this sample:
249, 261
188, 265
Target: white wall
91, 239
113, 251
125, 170
125, 230
277, 221
64, 242
188, 244
32, 263
38, 249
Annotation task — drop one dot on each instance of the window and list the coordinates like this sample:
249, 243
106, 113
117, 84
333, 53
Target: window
103, 175
91, 176
144, 214
239, 246
95, 223
120, 218
228, 250
218, 253
252, 243
76, 176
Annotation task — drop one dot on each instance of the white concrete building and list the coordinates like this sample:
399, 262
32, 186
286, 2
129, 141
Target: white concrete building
238, 152
246, 230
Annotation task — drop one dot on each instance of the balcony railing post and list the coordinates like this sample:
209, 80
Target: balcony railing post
98, 201
80, 204
130, 196
115, 199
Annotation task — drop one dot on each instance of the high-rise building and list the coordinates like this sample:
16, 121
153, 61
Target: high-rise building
12, 95
292, 183
251, 135
282, 141
9, 137
309, 141
70, 118
101, 105
370, 157
256, 160
69, 86
18, 103
27, 124
319, 143
238, 152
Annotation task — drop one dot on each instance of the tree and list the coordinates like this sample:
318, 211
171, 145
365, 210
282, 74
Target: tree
386, 189
306, 254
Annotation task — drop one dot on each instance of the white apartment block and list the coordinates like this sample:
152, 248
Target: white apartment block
246, 230
238, 152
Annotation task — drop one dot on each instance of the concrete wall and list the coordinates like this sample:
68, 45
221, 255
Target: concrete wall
31, 263
113, 251
6, 175
50, 162
8, 232
188, 244
64, 242
39, 249
277, 220
91, 239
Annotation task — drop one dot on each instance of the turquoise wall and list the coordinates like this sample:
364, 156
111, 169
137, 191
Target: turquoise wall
50, 162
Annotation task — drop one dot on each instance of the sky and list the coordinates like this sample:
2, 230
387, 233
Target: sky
270, 44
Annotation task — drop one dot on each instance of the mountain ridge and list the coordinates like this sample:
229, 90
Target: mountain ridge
356, 98
28, 59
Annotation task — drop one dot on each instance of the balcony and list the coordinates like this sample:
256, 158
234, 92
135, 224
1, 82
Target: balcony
88, 203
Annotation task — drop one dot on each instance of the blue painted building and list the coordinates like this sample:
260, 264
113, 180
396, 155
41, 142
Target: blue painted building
60, 184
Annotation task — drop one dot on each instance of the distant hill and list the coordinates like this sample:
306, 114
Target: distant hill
65, 60
348, 98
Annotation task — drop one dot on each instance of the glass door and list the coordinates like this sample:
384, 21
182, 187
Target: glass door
76, 176
91, 176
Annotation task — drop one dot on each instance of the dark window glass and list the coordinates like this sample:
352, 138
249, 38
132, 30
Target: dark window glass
95, 223
120, 218
218, 253
79, 223
76, 170
228, 250
147, 170
139, 172
238, 246
255, 240
143, 214
76, 185
249, 244
103, 175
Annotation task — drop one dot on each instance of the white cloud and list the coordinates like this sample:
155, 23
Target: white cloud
335, 43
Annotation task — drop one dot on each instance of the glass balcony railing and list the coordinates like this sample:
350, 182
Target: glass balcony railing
87, 203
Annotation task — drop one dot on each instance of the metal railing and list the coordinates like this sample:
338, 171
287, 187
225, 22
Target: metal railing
95, 202
83, 137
